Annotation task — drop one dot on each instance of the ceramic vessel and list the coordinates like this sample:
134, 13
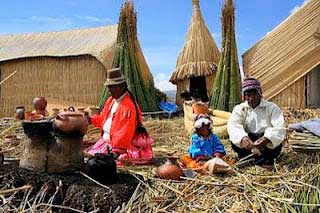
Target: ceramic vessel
169, 171
70, 122
40, 103
20, 112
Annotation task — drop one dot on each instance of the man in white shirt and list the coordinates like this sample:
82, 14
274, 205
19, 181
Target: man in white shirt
256, 125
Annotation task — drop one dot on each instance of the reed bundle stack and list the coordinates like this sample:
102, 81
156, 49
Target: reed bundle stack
129, 57
227, 85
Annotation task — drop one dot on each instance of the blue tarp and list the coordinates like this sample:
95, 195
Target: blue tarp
168, 107
312, 125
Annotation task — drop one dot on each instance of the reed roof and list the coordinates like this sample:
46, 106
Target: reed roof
200, 54
288, 52
91, 41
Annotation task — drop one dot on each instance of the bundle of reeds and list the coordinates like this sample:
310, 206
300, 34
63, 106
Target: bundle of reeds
128, 56
307, 198
227, 85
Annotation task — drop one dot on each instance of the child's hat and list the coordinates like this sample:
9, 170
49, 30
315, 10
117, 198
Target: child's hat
201, 120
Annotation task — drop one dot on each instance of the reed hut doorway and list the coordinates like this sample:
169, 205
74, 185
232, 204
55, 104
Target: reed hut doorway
313, 88
198, 88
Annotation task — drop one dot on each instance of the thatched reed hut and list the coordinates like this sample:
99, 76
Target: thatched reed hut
287, 60
69, 65
196, 64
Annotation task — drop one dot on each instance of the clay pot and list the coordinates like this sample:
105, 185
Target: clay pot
70, 122
40, 103
41, 128
20, 112
200, 108
169, 171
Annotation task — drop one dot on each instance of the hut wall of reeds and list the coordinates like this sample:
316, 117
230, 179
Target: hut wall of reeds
69, 66
198, 58
287, 60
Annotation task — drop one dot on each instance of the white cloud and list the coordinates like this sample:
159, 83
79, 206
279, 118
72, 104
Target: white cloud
49, 23
94, 19
48, 19
297, 7
165, 56
162, 82
162, 62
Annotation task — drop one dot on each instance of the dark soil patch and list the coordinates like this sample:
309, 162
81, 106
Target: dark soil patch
72, 190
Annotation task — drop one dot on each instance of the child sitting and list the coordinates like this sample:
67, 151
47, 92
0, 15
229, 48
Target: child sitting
204, 143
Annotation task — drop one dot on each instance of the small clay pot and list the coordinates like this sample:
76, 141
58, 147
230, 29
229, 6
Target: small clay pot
40, 103
20, 112
169, 171
200, 108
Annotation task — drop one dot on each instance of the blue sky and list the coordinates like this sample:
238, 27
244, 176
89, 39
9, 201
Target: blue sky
162, 24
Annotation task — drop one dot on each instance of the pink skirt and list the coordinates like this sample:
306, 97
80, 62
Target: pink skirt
140, 151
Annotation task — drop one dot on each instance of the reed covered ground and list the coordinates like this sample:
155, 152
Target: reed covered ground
290, 185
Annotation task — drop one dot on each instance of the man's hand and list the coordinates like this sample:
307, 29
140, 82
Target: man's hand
261, 143
246, 143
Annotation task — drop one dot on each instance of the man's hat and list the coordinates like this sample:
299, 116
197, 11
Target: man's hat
115, 77
251, 83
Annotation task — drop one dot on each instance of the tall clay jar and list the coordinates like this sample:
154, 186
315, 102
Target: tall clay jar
40, 103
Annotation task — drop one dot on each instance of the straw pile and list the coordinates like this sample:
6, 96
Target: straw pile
253, 189
290, 185
129, 57
227, 85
